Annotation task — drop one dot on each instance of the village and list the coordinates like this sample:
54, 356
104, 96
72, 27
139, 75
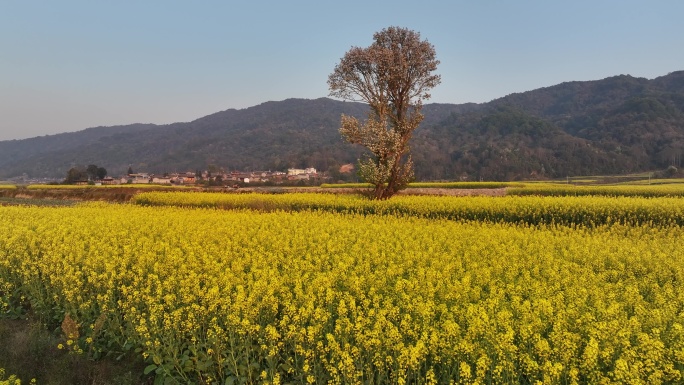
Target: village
293, 175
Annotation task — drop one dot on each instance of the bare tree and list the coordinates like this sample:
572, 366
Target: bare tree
393, 75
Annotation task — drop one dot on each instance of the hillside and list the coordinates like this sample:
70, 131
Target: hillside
615, 125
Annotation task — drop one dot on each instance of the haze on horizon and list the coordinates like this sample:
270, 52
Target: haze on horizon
70, 65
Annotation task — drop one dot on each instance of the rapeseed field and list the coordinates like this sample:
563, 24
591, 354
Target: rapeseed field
288, 289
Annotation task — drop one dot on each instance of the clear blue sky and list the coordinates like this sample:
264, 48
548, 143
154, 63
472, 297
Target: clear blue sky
68, 65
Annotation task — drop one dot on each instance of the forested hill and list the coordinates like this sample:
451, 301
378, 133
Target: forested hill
616, 125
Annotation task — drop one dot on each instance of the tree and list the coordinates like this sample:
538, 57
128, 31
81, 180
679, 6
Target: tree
393, 75
92, 171
76, 174
80, 174
101, 173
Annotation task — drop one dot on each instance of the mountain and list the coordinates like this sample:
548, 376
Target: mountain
273, 135
616, 125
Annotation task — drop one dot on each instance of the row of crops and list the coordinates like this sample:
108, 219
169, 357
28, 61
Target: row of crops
326, 289
660, 188
636, 190
531, 210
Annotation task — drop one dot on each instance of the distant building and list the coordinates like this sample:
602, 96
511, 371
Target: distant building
142, 178
161, 180
299, 171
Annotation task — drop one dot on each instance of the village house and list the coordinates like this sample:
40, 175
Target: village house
244, 177
189, 178
299, 171
161, 179
183, 178
141, 178
262, 176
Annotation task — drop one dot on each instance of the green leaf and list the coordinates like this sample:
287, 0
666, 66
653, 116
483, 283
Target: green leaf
150, 368
230, 380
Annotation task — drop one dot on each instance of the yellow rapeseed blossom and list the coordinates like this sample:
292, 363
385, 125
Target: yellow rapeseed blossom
11, 380
349, 292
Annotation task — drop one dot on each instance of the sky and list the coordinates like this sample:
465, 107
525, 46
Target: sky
68, 65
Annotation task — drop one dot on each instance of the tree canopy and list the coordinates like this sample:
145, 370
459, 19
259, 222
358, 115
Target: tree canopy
393, 75
83, 174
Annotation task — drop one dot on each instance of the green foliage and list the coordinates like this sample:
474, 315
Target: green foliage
10, 380
31, 352
92, 170
76, 174
101, 173
90, 173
